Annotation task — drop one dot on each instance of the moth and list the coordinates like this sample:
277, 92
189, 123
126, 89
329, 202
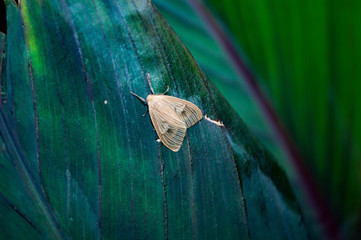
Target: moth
170, 116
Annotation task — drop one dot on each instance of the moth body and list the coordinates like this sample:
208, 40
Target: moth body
171, 117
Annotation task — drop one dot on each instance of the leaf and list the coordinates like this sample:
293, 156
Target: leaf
305, 57
79, 161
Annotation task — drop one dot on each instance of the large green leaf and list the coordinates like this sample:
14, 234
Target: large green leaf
73, 166
304, 55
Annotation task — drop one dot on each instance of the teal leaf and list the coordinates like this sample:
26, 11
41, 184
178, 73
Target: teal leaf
79, 161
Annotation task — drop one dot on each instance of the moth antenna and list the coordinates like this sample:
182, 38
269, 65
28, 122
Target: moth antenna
150, 85
140, 98
218, 123
145, 114
166, 91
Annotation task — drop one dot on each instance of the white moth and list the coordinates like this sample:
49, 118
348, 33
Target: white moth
170, 116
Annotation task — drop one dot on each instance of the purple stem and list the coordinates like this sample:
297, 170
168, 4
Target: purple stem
323, 214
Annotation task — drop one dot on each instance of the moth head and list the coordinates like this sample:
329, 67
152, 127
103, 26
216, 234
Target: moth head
150, 97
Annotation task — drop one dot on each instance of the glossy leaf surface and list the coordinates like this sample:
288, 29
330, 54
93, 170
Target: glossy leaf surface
79, 161
306, 56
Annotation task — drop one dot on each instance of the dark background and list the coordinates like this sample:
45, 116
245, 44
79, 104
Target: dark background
2, 17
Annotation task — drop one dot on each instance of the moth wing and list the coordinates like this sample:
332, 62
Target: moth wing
170, 129
188, 112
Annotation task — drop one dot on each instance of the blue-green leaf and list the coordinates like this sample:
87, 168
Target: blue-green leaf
79, 161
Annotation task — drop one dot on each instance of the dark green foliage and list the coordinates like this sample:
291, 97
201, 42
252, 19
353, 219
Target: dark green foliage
307, 54
74, 167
